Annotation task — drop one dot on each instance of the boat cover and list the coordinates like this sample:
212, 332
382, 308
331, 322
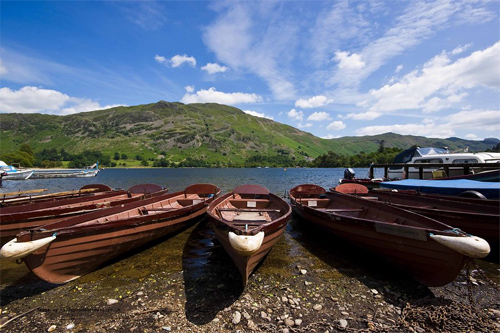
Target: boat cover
491, 190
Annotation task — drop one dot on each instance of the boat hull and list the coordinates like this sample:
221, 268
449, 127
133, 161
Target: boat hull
410, 249
72, 255
269, 215
18, 175
247, 264
87, 242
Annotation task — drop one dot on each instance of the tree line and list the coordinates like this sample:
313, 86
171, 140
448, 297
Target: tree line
53, 158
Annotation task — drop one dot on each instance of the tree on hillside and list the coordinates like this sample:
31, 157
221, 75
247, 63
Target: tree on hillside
24, 156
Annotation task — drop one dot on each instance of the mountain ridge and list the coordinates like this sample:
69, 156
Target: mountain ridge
218, 134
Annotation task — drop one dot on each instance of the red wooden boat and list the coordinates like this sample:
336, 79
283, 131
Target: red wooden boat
247, 222
65, 250
472, 216
14, 219
431, 252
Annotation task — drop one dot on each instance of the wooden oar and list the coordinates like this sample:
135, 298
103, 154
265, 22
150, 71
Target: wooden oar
7, 200
10, 194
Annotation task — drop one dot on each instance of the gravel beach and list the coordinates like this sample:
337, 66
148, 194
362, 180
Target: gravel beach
308, 283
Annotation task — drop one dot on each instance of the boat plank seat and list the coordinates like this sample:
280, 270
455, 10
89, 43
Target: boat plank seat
341, 210
319, 203
189, 202
259, 210
244, 224
249, 203
146, 211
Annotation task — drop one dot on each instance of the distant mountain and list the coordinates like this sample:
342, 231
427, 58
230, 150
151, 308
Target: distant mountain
218, 134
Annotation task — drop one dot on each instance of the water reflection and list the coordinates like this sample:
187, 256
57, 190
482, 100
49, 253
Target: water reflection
211, 281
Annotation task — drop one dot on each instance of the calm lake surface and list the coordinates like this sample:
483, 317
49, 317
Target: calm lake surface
277, 180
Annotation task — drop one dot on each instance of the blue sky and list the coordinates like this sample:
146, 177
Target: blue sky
331, 68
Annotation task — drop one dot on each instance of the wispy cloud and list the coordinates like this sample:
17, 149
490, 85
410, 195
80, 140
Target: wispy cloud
149, 15
237, 39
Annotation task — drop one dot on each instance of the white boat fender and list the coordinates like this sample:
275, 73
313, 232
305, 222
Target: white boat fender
469, 245
14, 250
246, 245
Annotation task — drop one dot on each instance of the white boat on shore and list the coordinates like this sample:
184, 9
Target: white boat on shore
13, 173
431, 155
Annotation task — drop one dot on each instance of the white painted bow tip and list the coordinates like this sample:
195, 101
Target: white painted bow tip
471, 246
14, 250
246, 245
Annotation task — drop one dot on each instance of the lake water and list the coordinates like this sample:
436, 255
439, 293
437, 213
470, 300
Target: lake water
195, 250
277, 180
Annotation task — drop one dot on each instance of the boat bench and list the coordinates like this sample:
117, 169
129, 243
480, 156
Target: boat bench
259, 210
341, 210
319, 203
249, 203
189, 202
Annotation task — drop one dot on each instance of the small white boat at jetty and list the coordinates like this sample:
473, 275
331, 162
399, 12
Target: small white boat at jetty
13, 173
90, 171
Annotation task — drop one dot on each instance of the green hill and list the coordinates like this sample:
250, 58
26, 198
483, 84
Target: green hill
216, 134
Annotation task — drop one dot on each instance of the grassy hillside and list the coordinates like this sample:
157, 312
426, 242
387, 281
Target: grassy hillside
218, 134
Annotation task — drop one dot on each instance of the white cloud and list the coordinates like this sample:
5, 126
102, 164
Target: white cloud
336, 126
176, 60
213, 96
398, 69
471, 137
313, 102
189, 89
37, 100
319, 116
440, 83
258, 114
349, 62
295, 115
212, 68
423, 129
306, 125
330, 136
479, 121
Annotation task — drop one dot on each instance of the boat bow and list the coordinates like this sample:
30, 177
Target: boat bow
246, 245
472, 246
14, 250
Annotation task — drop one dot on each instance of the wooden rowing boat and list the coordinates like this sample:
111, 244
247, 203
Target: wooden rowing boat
247, 222
14, 219
477, 217
65, 250
431, 252
482, 220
